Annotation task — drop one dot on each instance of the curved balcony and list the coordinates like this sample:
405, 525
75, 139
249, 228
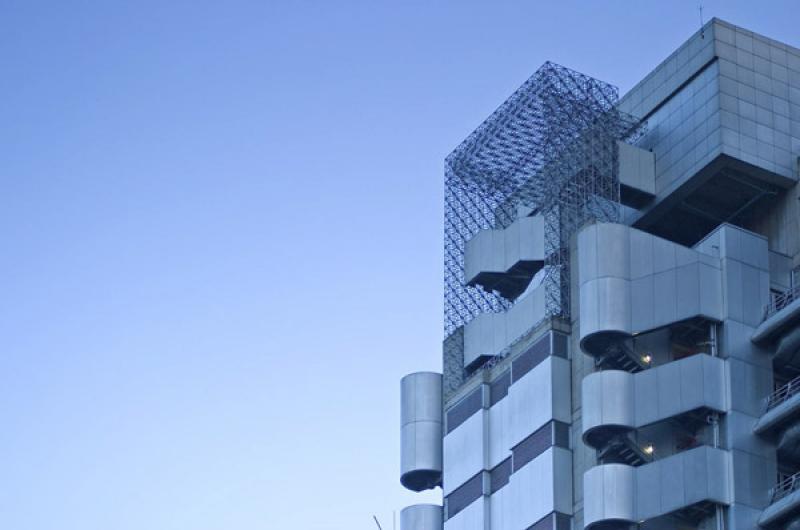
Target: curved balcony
617, 494
609, 493
421, 431
421, 517
632, 282
615, 402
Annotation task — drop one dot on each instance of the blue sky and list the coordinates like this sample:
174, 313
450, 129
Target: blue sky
220, 239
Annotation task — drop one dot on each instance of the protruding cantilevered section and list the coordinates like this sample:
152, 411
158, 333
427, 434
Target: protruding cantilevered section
506, 260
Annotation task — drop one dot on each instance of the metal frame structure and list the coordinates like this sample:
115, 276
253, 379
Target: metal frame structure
550, 149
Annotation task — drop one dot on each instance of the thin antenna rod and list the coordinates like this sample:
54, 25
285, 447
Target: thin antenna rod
702, 33
377, 523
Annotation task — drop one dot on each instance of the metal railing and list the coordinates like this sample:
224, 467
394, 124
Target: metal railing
783, 393
785, 487
780, 300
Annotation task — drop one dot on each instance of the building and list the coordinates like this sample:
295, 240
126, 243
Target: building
622, 304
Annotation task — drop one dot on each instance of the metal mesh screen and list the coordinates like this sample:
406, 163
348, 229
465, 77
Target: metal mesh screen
550, 149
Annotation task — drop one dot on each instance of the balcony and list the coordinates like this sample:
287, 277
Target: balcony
506, 260
632, 282
782, 406
781, 301
686, 485
780, 329
782, 314
637, 175
616, 402
490, 334
784, 503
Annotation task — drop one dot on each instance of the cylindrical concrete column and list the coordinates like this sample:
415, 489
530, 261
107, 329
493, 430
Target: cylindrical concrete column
421, 517
421, 431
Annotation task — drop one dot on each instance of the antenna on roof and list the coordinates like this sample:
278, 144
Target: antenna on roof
702, 33
377, 523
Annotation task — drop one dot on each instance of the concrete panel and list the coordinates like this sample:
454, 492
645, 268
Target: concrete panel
531, 491
472, 517
499, 433
673, 486
647, 391
688, 289
641, 254
752, 385
531, 403
465, 451
609, 494
613, 253
607, 401
643, 308
500, 509
664, 297
669, 382
637, 169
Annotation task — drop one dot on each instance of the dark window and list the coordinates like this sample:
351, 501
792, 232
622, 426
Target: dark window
464, 409
532, 446
561, 434
499, 476
499, 388
464, 495
560, 345
562, 521
552, 521
537, 353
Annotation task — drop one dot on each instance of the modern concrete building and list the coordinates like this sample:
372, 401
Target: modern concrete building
622, 304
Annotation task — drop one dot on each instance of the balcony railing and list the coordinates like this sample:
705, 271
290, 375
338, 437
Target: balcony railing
785, 487
780, 300
783, 393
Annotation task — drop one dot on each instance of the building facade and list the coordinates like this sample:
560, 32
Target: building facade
622, 304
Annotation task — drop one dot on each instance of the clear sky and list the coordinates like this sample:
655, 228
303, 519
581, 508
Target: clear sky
221, 239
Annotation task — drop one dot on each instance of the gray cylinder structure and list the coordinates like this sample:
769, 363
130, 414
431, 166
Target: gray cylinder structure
421, 431
421, 517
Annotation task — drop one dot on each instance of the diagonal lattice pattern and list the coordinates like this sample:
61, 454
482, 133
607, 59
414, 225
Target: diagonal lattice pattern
551, 149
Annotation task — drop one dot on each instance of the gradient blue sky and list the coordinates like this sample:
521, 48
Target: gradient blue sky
220, 239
